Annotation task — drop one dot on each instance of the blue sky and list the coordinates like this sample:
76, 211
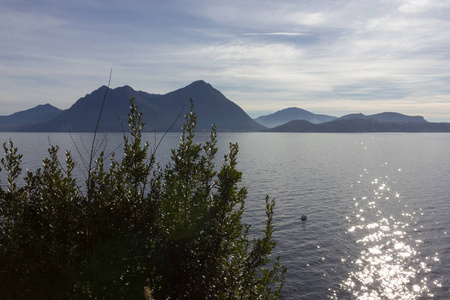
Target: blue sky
326, 56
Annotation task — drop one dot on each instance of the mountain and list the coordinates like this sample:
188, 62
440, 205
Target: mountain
38, 114
159, 111
292, 113
164, 112
210, 106
360, 123
388, 117
82, 116
296, 126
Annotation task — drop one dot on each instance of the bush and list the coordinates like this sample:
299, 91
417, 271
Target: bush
176, 230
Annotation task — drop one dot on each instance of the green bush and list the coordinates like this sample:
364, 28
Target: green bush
133, 224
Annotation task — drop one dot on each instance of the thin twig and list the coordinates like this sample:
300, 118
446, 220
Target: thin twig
151, 159
80, 155
155, 148
91, 158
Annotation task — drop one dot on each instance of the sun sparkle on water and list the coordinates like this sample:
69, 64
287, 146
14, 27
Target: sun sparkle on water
389, 266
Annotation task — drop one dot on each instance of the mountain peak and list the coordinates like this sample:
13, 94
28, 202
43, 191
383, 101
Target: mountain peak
46, 105
199, 84
199, 91
38, 114
105, 88
126, 88
290, 114
353, 116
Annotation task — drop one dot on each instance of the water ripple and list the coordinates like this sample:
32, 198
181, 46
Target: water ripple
389, 264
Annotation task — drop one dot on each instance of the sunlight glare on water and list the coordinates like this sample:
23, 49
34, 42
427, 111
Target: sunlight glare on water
388, 265
377, 204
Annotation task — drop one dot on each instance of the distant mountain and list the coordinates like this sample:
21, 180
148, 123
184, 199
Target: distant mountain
357, 123
296, 126
159, 111
83, 114
38, 114
388, 117
292, 113
210, 106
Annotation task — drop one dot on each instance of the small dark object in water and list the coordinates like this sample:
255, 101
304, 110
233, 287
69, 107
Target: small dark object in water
303, 218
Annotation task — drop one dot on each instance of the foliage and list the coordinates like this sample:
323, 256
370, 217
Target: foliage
175, 229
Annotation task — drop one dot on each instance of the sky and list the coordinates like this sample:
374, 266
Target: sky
327, 56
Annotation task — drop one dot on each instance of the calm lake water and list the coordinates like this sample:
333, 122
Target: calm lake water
378, 206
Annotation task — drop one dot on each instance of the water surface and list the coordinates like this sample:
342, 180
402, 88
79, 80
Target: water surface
378, 206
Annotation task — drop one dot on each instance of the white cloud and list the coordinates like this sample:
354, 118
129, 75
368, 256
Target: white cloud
414, 6
421, 6
327, 54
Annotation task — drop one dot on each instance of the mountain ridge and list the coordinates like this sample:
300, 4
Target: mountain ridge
292, 113
387, 117
37, 114
161, 111
355, 125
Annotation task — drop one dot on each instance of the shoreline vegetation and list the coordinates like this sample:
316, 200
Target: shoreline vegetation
133, 228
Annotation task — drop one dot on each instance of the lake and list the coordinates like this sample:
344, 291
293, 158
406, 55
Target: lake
378, 206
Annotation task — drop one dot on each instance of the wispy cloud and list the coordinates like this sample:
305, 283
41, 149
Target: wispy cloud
324, 55
275, 33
